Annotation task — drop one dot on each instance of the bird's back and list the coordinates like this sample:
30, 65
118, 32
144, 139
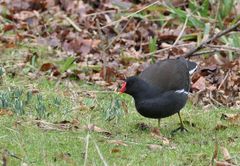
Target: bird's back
169, 74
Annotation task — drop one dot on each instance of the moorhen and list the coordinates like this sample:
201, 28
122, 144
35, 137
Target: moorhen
161, 90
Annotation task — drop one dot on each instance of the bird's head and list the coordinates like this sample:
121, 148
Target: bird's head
133, 85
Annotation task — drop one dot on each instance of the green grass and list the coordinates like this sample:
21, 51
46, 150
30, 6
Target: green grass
21, 136
89, 104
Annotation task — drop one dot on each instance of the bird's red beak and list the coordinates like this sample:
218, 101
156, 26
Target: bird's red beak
123, 88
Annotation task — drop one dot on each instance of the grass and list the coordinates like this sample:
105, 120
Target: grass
21, 136
24, 141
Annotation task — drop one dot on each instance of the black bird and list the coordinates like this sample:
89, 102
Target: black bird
161, 90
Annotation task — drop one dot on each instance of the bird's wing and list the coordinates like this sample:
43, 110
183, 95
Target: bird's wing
170, 74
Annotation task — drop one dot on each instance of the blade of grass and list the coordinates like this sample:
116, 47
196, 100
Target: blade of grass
100, 154
86, 149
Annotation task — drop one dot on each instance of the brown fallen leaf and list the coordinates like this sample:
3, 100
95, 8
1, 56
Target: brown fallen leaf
227, 157
223, 163
200, 84
92, 127
92, 43
115, 150
117, 142
226, 154
34, 91
220, 127
58, 126
8, 27
5, 112
47, 66
68, 124
215, 153
208, 69
156, 133
233, 118
50, 66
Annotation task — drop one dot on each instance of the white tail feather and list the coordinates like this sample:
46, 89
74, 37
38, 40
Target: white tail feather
193, 70
181, 91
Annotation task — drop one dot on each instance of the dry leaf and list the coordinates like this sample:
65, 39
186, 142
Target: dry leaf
31, 18
200, 84
233, 118
215, 153
59, 126
47, 66
50, 66
8, 27
90, 42
155, 133
117, 142
92, 127
5, 112
115, 150
226, 154
220, 127
223, 163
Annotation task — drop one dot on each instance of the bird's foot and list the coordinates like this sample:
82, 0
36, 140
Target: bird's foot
181, 128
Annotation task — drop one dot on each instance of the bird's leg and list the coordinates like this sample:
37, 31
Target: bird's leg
159, 123
181, 128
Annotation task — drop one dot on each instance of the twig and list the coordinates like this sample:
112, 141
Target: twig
8, 153
100, 154
168, 48
98, 13
130, 15
224, 79
200, 46
72, 23
216, 48
215, 101
204, 52
223, 47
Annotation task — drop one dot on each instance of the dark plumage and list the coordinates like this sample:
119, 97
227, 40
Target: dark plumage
161, 90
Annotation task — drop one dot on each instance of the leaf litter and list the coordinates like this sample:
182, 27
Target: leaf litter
71, 28
73, 125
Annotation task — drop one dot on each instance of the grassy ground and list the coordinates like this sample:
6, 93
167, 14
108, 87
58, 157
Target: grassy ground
49, 126
39, 142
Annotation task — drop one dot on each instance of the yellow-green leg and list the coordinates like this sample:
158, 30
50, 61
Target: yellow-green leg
182, 128
180, 118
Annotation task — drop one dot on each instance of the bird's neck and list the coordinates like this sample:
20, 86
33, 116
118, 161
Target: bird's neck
145, 94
